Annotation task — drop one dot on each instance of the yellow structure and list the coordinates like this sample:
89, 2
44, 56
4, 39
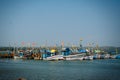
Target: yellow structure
53, 51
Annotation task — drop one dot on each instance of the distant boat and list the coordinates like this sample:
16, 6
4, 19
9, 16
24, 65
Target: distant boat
96, 56
112, 56
104, 56
17, 57
107, 56
55, 57
74, 57
88, 57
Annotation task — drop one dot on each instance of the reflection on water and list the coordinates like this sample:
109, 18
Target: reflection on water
59, 70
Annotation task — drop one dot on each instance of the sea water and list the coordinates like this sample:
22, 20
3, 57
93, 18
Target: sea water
105, 69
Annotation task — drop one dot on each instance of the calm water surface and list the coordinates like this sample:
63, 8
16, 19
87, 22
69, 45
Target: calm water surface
11, 69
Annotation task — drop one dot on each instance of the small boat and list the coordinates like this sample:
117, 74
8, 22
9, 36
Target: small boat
17, 57
96, 56
104, 56
107, 56
91, 57
88, 57
112, 56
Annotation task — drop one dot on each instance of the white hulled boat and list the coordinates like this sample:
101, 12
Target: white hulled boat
74, 57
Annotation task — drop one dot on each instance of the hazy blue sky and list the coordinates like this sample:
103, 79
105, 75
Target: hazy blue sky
60, 20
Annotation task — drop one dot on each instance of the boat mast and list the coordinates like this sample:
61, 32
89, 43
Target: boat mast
9, 46
81, 43
15, 48
62, 44
116, 51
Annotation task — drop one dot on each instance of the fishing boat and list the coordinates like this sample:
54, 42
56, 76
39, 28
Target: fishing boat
17, 57
74, 57
96, 56
107, 56
88, 57
55, 57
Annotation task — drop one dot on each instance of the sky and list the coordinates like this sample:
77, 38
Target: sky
53, 21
